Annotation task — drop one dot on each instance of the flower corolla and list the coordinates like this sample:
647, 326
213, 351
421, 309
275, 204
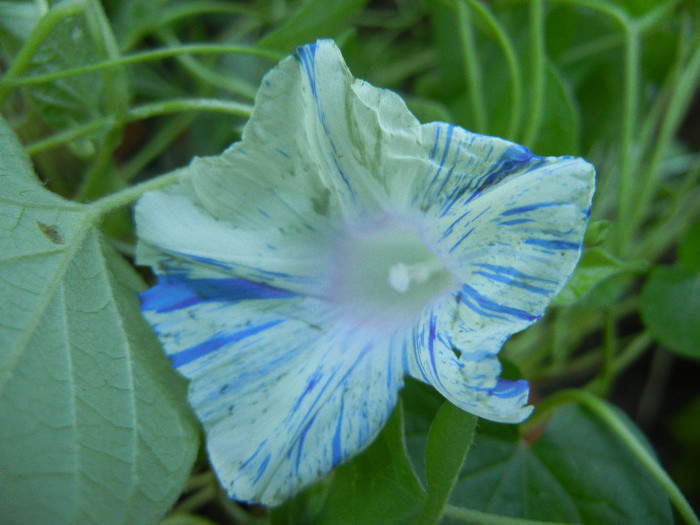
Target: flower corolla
339, 246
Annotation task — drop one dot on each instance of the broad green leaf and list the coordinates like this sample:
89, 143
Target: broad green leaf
559, 131
576, 471
93, 421
594, 267
689, 248
685, 426
19, 18
315, 19
670, 307
449, 439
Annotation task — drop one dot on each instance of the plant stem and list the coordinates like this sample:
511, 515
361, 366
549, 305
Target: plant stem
472, 69
537, 49
626, 192
477, 517
131, 194
609, 351
145, 56
513, 67
178, 105
679, 100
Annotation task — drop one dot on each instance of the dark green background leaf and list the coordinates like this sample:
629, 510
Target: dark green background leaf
595, 266
671, 309
576, 471
689, 248
315, 19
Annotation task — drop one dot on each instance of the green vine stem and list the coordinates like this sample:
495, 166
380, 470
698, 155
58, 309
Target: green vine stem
606, 414
179, 105
177, 12
625, 203
537, 50
157, 54
680, 98
511, 57
472, 68
476, 517
209, 75
131, 194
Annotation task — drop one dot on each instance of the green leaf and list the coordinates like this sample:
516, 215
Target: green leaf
597, 232
670, 306
19, 18
559, 131
576, 471
94, 425
685, 426
595, 266
689, 248
77, 41
378, 487
421, 403
315, 19
449, 440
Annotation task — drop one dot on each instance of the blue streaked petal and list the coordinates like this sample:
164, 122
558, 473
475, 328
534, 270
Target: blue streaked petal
460, 361
511, 222
288, 293
284, 390
178, 235
321, 121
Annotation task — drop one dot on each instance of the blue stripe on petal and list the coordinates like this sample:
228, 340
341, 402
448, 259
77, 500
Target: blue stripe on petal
507, 389
530, 207
431, 346
257, 451
262, 468
508, 270
175, 292
336, 444
441, 165
514, 222
551, 244
491, 306
306, 55
511, 282
191, 354
300, 446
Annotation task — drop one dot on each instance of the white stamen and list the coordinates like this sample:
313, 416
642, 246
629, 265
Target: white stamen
399, 278
402, 275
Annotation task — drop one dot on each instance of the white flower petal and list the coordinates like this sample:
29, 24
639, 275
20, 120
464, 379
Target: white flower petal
284, 391
319, 146
175, 232
510, 223
461, 363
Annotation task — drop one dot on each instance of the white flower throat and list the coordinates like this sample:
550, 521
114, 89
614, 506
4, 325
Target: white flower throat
386, 272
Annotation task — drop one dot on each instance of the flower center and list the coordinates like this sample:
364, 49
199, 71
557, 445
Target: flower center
386, 274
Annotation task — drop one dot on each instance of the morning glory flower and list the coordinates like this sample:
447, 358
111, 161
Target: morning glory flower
339, 246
